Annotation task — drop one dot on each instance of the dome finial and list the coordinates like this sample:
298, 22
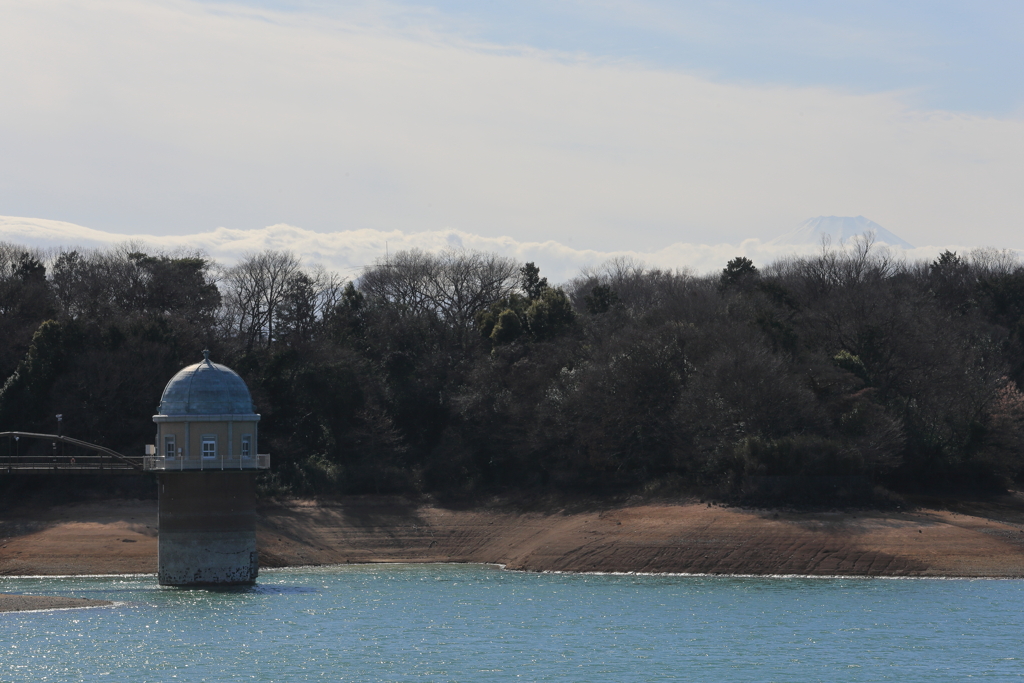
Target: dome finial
206, 355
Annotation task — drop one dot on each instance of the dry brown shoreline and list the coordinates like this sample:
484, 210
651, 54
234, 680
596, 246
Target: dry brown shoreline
119, 537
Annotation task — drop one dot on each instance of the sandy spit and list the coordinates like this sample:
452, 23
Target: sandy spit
25, 603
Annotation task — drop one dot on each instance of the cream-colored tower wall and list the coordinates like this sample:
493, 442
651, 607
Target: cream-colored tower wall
189, 437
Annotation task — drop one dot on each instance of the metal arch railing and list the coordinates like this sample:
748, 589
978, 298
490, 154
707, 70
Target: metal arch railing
28, 461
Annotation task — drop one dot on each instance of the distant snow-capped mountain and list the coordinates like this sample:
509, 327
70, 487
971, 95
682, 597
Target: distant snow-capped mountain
839, 229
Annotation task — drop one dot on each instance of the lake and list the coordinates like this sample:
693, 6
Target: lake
477, 623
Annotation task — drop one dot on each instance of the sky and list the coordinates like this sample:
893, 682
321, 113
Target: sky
660, 129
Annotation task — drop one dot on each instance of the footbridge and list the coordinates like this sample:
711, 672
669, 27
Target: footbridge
82, 456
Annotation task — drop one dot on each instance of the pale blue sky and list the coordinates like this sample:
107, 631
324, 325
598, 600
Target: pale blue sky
603, 125
964, 56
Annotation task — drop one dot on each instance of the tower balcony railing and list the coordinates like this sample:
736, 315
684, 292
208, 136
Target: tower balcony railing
163, 463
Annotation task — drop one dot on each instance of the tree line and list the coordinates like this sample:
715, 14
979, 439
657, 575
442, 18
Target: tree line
464, 372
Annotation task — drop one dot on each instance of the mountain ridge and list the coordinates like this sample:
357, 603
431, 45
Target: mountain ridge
839, 230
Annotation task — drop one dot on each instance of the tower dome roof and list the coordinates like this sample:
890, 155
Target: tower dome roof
206, 388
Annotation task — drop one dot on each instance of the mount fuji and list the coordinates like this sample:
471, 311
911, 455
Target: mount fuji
839, 230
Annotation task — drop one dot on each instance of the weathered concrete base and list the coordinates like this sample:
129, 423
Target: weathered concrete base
207, 557
207, 528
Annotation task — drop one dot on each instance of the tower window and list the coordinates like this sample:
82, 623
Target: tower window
246, 446
209, 446
169, 449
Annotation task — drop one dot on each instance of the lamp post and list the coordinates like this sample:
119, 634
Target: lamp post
60, 432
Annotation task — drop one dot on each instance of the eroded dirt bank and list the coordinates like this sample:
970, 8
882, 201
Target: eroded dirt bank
120, 537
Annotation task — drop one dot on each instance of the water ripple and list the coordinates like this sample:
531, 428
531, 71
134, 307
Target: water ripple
472, 623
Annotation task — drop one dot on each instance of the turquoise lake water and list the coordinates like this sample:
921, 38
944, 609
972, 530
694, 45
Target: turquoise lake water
477, 623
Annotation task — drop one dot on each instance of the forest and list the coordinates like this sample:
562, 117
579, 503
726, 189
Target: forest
464, 373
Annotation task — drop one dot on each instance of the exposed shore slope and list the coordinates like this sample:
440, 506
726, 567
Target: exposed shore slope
120, 537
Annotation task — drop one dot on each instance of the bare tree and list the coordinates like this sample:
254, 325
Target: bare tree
309, 298
452, 285
254, 291
991, 261
638, 288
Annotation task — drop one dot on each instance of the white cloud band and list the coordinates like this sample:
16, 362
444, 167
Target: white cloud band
349, 251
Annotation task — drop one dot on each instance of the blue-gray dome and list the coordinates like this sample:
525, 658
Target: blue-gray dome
206, 388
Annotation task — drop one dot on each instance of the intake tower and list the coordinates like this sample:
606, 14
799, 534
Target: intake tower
206, 459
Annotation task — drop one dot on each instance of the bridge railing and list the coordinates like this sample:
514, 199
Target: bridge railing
162, 463
25, 463
105, 458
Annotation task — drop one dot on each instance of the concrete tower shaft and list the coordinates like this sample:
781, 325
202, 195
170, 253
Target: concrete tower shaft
207, 526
